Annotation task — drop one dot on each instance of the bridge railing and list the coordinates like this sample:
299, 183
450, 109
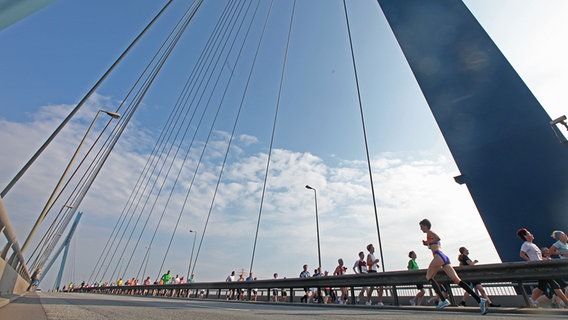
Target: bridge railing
11, 248
513, 276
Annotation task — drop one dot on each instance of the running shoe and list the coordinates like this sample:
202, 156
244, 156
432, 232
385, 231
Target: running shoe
369, 303
380, 304
412, 302
443, 304
483, 306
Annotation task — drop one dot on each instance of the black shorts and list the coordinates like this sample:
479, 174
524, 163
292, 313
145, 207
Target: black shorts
420, 286
548, 287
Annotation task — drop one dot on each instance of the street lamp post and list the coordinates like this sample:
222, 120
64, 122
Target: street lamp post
317, 223
191, 257
48, 204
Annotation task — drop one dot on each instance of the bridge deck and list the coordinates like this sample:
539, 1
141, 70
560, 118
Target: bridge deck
24, 308
62, 306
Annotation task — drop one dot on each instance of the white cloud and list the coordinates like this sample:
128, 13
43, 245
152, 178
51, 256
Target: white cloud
408, 189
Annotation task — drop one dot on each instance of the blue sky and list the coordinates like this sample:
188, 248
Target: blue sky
52, 58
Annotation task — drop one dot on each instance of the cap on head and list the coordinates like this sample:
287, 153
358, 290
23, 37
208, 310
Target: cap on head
556, 234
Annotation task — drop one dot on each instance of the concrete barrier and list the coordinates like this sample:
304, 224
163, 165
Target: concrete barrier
14, 275
12, 285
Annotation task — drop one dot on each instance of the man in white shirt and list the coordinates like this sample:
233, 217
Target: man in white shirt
531, 252
372, 267
231, 278
360, 266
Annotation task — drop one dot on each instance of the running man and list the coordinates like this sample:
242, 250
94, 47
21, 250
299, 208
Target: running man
560, 247
440, 260
308, 291
531, 252
464, 260
373, 267
412, 265
360, 267
340, 270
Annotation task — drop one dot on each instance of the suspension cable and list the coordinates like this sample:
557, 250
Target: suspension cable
197, 69
153, 206
179, 146
150, 80
365, 136
213, 123
273, 131
143, 90
234, 125
148, 173
79, 105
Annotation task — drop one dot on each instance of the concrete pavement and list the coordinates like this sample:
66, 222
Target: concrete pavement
25, 307
77, 306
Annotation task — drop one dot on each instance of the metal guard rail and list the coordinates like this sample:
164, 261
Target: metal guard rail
17, 260
516, 272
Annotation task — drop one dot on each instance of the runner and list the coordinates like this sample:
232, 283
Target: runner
412, 265
442, 261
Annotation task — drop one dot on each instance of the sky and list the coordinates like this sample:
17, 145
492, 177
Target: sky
52, 58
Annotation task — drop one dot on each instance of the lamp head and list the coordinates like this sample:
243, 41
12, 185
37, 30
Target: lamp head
113, 115
558, 120
308, 187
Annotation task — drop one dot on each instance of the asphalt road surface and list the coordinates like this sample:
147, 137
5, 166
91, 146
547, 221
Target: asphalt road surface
76, 306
